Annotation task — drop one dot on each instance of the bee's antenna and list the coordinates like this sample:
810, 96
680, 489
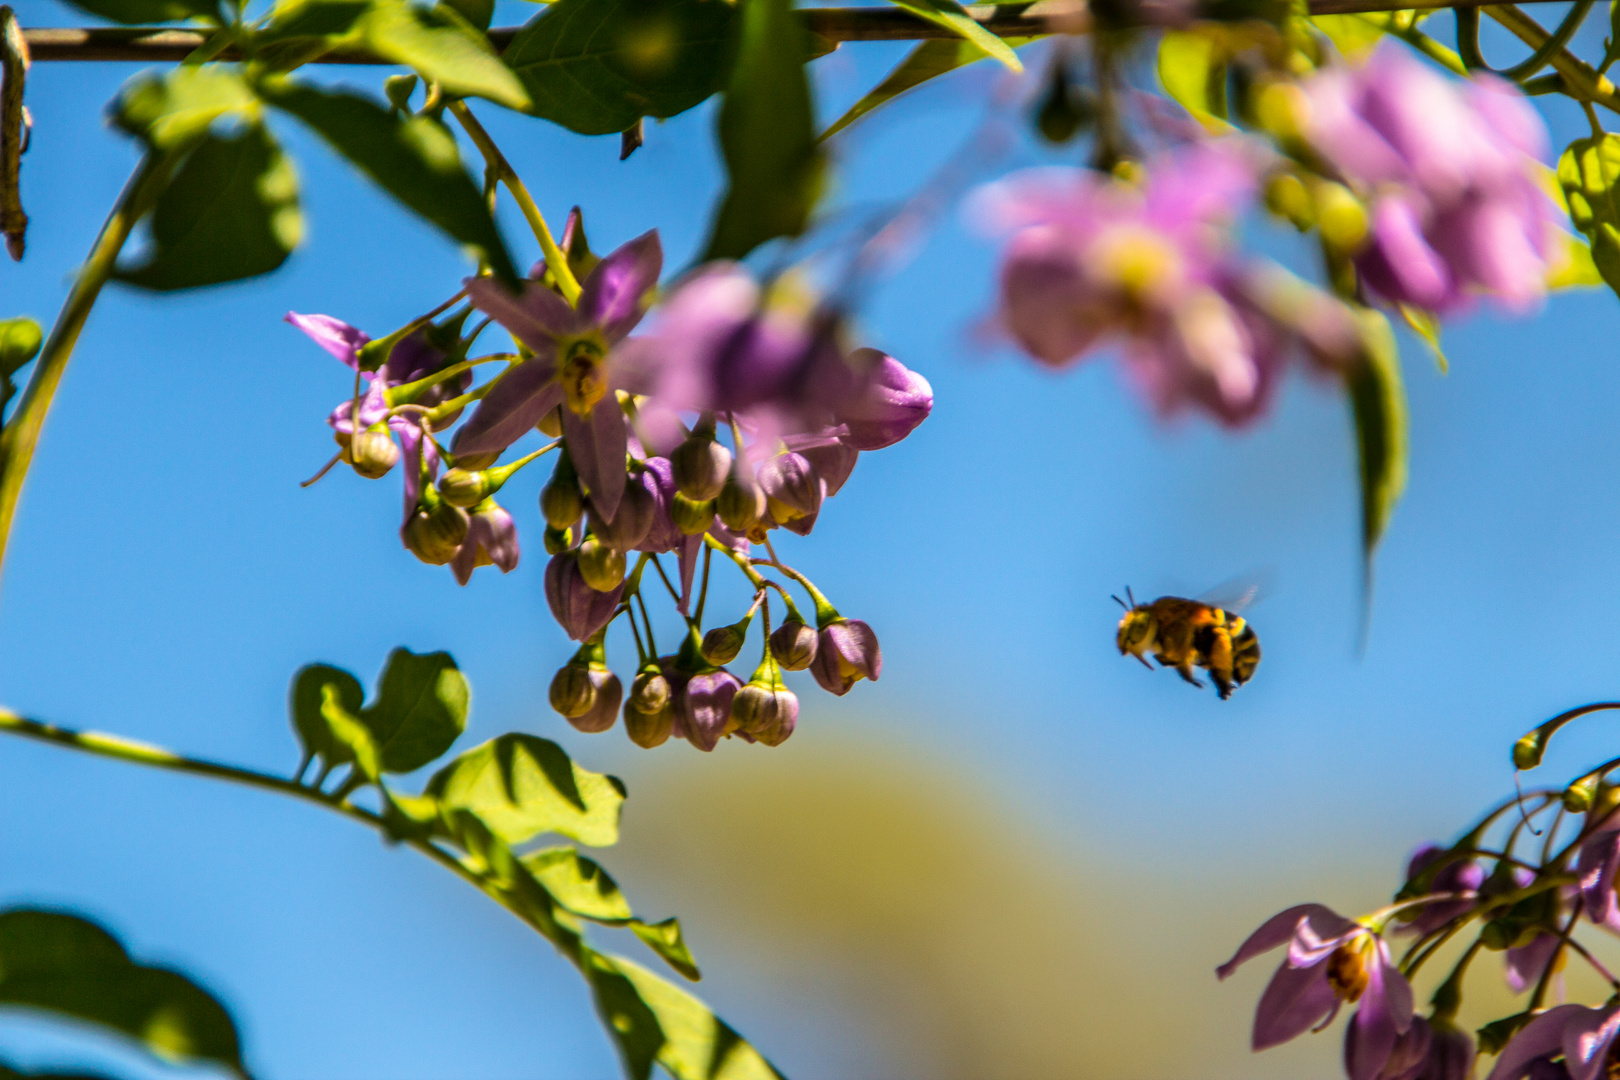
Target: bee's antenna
1131, 596
1120, 602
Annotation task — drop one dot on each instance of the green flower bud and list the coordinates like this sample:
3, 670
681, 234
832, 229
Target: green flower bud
561, 501
558, 540
700, 465
601, 566
649, 693
741, 503
648, 730
765, 708
722, 644
1578, 796
692, 518
399, 89
465, 487
1288, 198
372, 454
435, 530
793, 644
1340, 216
572, 691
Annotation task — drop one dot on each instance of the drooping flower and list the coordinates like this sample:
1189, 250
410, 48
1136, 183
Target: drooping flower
1463, 876
491, 541
846, 652
1449, 168
580, 609
704, 705
1597, 865
888, 407
575, 364
1331, 961
1426, 1051
1577, 1039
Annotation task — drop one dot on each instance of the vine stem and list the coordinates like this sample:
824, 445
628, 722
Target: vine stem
21, 433
556, 261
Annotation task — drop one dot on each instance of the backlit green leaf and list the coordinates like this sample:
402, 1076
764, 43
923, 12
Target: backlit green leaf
231, 212
134, 12
954, 17
928, 60
317, 691
1378, 400
1588, 172
1192, 67
63, 964
666, 940
597, 66
414, 160
171, 110
579, 884
695, 1044
20, 340
1572, 266
421, 708
523, 785
767, 134
1352, 35
440, 44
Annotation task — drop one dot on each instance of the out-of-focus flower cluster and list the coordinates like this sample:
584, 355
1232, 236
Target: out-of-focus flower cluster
1522, 882
738, 410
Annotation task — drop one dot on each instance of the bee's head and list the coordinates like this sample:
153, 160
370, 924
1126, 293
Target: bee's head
1137, 631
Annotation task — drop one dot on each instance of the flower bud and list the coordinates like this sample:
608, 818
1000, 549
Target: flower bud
792, 486
846, 652
1289, 198
690, 517
793, 644
465, 487
561, 502
649, 729
722, 644
741, 503
399, 88
765, 708
572, 690
701, 465
580, 609
705, 706
1340, 216
372, 454
1579, 795
604, 710
649, 693
435, 530
601, 566
491, 540
632, 521
889, 407
558, 540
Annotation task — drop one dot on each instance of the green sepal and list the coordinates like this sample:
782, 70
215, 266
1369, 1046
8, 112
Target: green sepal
522, 785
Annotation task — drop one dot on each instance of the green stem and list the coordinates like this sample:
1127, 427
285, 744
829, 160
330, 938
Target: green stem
405, 392
1583, 80
21, 434
556, 261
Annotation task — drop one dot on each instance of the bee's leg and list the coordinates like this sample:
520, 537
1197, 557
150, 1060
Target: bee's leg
1219, 660
1144, 660
1185, 671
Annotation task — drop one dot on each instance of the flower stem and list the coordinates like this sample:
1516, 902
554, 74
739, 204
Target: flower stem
556, 261
21, 434
1582, 79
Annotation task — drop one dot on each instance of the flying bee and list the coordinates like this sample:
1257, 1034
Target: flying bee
1184, 633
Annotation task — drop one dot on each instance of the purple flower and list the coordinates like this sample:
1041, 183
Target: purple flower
846, 652
1457, 876
604, 708
491, 541
658, 477
1425, 1051
893, 401
1331, 960
1596, 866
1449, 168
1582, 1037
580, 609
704, 705
1525, 964
793, 488
575, 363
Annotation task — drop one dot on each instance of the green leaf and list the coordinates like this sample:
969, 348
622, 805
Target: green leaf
955, 18
598, 66
1426, 325
1587, 173
444, 47
421, 709
413, 160
172, 110
1192, 67
522, 785
767, 134
691, 1042
1574, 267
1352, 35
579, 884
134, 12
665, 939
231, 212
1378, 400
64, 964
928, 60
20, 340
320, 692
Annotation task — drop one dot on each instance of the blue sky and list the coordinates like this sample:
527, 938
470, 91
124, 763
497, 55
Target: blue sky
167, 575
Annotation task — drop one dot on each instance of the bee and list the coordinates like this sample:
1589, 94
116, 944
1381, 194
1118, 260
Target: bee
1184, 633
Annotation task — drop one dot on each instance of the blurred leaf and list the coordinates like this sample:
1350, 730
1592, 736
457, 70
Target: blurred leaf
231, 212
20, 340
694, 1043
1352, 35
665, 939
64, 964
480, 13
522, 786
1587, 172
421, 709
955, 18
767, 134
1378, 399
148, 11
598, 66
1495, 1035
927, 61
1573, 266
630, 1020
1192, 67
579, 884
413, 160
171, 110
317, 691
1426, 325
444, 47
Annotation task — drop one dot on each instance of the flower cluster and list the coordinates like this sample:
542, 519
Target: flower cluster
740, 410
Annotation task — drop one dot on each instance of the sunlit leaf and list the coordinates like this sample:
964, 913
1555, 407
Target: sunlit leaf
171, 110
955, 18
695, 1044
598, 66
767, 134
444, 47
414, 160
666, 940
231, 212
522, 786
1352, 35
20, 340
1378, 400
579, 884
928, 60
421, 709
1572, 266
63, 964
1588, 172
1192, 67
320, 691
134, 12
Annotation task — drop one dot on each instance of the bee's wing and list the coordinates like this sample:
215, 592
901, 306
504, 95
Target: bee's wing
1236, 594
